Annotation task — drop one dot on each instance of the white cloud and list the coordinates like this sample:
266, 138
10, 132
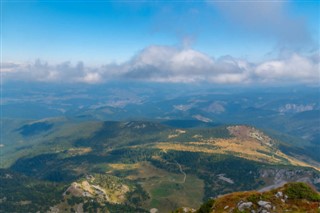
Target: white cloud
190, 59
91, 78
294, 68
170, 64
9, 67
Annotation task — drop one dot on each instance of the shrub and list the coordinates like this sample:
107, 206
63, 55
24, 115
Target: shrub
301, 191
206, 207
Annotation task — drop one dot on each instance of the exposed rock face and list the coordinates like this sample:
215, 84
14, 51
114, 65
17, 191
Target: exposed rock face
53, 209
226, 179
187, 209
244, 205
264, 204
279, 195
154, 210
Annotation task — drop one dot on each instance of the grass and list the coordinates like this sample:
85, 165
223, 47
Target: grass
165, 188
169, 195
250, 149
301, 198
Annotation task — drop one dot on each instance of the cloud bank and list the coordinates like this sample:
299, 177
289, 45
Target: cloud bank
174, 65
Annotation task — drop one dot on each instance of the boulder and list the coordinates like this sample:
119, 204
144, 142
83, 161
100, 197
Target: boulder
265, 204
244, 205
279, 194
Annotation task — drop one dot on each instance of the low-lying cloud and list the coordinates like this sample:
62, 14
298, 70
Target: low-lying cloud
175, 65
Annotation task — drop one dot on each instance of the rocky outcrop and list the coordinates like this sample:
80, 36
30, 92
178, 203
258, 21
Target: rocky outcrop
265, 206
292, 197
244, 205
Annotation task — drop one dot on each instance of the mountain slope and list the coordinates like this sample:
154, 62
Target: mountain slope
171, 165
292, 197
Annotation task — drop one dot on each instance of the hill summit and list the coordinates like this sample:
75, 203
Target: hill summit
292, 197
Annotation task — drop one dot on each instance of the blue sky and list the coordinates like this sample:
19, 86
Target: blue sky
101, 33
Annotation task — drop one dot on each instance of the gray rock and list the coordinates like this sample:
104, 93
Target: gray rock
264, 204
268, 206
153, 210
184, 209
279, 195
244, 205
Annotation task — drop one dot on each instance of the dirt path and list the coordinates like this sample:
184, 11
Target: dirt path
182, 172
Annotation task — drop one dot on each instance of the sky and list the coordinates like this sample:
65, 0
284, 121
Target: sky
220, 42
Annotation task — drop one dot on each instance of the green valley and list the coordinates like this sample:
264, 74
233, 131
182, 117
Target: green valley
140, 165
